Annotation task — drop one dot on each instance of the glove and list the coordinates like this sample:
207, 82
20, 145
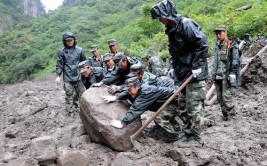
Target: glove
170, 73
232, 78
196, 72
113, 89
116, 124
57, 80
97, 84
109, 98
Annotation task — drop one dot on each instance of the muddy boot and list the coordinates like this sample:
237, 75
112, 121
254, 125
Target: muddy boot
170, 137
209, 122
225, 116
189, 142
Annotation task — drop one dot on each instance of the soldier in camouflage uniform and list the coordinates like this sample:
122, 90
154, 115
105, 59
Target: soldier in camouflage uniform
226, 72
113, 46
148, 97
90, 75
96, 60
119, 75
67, 61
155, 65
188, 48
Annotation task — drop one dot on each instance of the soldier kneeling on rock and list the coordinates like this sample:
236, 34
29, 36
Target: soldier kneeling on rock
148, 97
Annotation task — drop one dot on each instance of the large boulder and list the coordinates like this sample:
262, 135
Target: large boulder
96, 116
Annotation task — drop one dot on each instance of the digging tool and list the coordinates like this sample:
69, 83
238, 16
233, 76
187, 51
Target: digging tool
136, 134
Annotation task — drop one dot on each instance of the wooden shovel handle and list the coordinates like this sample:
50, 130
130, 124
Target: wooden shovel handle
133, 137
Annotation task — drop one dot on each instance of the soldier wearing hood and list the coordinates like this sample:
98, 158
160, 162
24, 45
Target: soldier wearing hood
67, 61
188, 48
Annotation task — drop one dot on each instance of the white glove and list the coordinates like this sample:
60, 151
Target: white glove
97, 84
170, 73
116, 123
196, 72
113, 89
232, 78
57, 80
109, 98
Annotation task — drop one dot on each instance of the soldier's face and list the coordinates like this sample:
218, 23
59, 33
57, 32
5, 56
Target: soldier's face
87, 72
110, 63
221, 35
70, 42
113, 49
96, 52
166, 22
133, 91
124, 64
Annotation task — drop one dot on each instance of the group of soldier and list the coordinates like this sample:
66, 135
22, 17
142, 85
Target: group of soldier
127, 78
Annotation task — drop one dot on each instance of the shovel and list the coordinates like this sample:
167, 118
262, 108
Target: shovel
136, 134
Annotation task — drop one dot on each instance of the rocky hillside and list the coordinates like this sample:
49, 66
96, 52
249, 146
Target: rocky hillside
13, 11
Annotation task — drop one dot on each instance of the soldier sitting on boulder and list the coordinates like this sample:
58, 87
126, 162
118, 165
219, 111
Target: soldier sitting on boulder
90, 75
148, 97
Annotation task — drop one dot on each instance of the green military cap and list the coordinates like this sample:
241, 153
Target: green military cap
220, 28
94, 47
130, 82
83, 66
107, 57
112, 42
118, 57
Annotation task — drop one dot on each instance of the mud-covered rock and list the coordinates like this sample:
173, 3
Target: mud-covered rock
66, 157
25, 161
256, 72
96, 116
43, 149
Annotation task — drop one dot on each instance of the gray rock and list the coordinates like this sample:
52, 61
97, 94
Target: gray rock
78, 141
96, 116
26, 161
122, 160
67, 157
177, 154
43, 149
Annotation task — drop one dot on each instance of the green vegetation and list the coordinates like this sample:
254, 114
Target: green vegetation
30, 49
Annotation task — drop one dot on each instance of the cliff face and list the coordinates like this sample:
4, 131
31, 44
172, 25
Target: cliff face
14, 11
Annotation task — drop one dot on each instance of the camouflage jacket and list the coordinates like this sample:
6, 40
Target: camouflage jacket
156, 65
226, 61
97, 74
96, 63
148, 98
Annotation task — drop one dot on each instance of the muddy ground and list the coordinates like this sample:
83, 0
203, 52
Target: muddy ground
34, 109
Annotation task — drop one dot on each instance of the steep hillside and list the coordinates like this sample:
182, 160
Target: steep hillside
30, 50
13, 11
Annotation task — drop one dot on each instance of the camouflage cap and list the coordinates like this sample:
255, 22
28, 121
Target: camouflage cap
130, 82
118, 57
137, 68
107, 57
83, 66
112, 42
220, 28
94, 47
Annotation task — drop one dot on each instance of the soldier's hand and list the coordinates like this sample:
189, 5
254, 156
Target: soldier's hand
232, 78
57, 80
97, 84
170, 73
113, 89
109, 99
196, 72
117, 124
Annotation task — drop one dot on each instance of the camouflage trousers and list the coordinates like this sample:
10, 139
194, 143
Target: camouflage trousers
166, 119
73, 92
226, 97
191, 108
